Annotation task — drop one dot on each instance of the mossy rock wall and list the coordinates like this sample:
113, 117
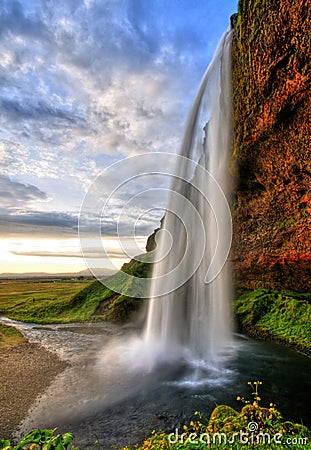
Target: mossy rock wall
272, 151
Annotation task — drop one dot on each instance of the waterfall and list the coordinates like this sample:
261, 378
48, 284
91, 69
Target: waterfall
192, 319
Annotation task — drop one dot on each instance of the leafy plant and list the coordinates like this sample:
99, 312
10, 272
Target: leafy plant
41, 439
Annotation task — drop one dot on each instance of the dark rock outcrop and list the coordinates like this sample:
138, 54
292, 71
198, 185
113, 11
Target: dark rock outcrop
272, 152
151, 241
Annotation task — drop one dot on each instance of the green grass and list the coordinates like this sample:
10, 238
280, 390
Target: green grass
264, 313
64, 301
40, 301
10, 336
281, 316
108, 304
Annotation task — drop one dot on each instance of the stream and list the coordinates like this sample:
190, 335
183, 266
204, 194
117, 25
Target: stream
106, 394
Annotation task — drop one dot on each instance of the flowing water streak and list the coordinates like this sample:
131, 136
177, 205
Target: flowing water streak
194, 320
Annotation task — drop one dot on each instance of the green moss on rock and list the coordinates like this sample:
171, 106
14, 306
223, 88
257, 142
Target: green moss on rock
107, 304
280, 316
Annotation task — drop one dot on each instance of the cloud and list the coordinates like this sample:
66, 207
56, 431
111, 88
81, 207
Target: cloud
13, 20
30, 223
10, 228
38, 109
33, 225
49, 219
112, 62
89, 254
20, 216
14, 194
86, 83
17, 201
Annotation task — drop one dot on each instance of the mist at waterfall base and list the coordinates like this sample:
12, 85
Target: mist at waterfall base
122, 382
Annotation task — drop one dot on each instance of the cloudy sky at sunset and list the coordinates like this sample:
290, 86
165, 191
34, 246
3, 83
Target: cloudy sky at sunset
86, 83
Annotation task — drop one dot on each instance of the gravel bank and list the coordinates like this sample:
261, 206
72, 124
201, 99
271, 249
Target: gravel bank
25, 372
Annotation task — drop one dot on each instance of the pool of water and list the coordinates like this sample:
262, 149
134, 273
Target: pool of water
109, 393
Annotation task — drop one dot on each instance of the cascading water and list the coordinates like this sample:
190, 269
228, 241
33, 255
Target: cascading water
194, 320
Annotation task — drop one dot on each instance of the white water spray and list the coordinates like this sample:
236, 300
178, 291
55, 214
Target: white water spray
194, 321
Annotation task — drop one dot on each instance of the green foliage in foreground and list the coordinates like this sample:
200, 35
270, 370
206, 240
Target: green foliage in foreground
227, 429
280, 316
10, 336
41, 439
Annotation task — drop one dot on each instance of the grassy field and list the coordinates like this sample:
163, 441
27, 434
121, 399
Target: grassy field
63, 301
41, 301
9, 336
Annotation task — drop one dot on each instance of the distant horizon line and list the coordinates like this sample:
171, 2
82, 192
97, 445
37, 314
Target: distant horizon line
86, 272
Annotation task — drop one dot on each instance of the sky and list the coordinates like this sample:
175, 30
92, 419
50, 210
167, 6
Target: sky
86, 84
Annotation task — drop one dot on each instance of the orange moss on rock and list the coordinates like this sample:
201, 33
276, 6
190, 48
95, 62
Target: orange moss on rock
272, 146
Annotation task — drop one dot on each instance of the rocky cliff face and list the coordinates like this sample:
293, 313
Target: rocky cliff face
272, 151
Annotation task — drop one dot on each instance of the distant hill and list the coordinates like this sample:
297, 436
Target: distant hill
86, 273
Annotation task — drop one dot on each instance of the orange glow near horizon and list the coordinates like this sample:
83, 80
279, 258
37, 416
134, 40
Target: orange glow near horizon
50, 255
